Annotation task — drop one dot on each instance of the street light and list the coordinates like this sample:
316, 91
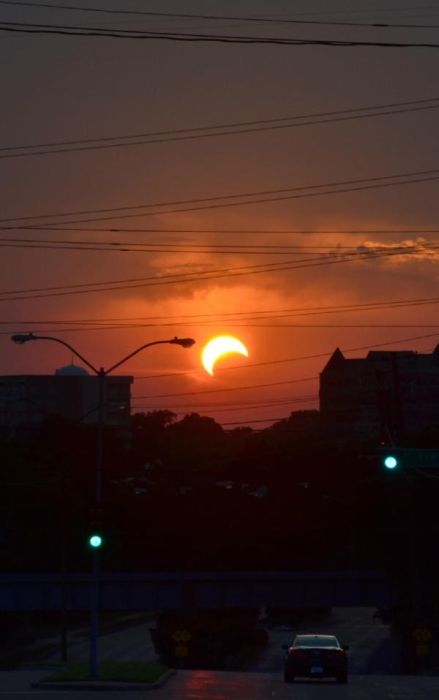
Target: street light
21, 339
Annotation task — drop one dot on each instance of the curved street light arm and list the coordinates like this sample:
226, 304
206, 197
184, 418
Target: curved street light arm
173, 341
31, 336
22, 338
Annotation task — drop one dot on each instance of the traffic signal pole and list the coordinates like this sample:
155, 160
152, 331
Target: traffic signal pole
96, 542
100, 436
96, 554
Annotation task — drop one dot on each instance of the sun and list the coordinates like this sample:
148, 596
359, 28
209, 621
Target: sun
218, 347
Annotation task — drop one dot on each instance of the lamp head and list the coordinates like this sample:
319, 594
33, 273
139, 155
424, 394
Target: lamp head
184, 342
21, 338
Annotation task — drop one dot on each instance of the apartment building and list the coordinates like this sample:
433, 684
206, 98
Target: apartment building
386, 395
26, 400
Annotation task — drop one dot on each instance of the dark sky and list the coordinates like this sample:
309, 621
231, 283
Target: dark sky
67, 88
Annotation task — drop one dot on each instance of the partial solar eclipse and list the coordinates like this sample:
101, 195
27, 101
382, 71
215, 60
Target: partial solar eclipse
218, 347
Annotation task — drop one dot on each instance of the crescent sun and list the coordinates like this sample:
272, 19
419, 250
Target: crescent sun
218, 347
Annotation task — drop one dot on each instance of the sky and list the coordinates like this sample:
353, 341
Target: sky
178, 240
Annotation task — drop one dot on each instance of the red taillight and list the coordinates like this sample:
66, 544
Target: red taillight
335, 652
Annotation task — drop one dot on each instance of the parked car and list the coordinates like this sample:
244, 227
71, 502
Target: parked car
316, 656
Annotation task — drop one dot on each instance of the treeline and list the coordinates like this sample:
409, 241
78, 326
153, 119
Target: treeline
188, 494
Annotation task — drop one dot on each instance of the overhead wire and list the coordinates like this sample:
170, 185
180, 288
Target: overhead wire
202, 249
237, 405
382, 9
123, 249
243, 407
283, 361
224, 125
200, 276
258, 420
229, 200
33, 28
209, 17
221, 318
171, 136
49, 228
235, 324
224, 389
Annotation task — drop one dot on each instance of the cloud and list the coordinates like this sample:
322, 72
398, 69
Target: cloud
423, 250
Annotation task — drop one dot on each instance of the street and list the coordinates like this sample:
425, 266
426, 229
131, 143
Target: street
200, 685
372, 649
371, 646
223, 685
372, 654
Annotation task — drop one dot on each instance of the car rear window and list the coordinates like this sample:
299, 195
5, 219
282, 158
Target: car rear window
315, 642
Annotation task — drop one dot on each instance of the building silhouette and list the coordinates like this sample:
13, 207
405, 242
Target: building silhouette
27, 400
383, 397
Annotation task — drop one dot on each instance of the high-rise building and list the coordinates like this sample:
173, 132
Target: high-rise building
27, 400
384, 396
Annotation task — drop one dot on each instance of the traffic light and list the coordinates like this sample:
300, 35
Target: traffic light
408, 458
95, 540
95, 536
391, 458
391, 461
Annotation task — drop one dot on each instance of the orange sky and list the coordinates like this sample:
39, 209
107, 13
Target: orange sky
60, 90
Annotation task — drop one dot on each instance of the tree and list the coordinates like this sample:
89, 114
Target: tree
195, 443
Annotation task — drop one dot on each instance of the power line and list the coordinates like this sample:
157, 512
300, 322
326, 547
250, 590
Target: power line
354, 349
283, 361
379, 10
173, 277
259, 196
226, 389
197, 249
71, 30
214, 410
227, 125
117, 285
234, 324
124, 249
227, 317
238, 18
203, 247
244, 407
228, 405
275, 362
253, 232
258, 420
171, 136
211, 248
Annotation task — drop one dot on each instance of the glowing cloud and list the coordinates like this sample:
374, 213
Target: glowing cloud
218, 347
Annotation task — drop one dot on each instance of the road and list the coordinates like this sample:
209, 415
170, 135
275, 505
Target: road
373, 668
203, 685
371, 646
226, 685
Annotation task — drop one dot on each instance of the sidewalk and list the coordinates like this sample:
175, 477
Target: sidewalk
125, 638
131, 643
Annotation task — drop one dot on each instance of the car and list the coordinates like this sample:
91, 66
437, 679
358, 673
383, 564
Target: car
316, 656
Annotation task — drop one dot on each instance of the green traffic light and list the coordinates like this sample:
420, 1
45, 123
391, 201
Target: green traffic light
390, 462
95, 541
